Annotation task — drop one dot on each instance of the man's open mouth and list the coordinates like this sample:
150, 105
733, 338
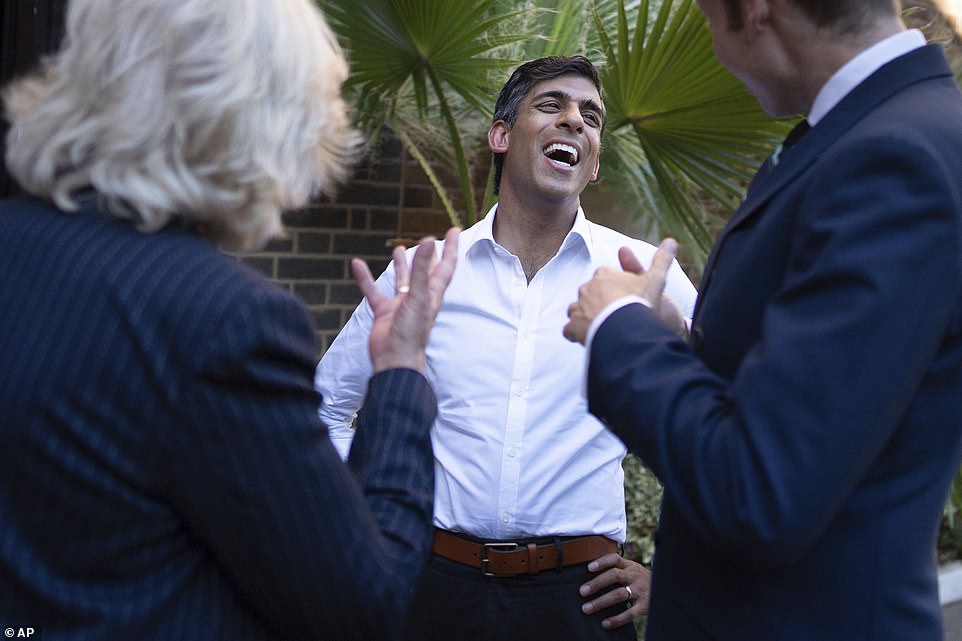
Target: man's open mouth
565, 154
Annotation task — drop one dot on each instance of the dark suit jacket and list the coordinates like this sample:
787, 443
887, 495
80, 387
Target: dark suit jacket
808, 434
164, 473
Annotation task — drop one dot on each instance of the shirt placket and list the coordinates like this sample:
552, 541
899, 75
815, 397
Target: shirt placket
526, 299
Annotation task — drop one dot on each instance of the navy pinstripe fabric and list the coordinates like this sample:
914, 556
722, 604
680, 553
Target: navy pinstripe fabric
164, 474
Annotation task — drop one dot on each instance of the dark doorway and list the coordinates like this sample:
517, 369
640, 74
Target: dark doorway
29, 29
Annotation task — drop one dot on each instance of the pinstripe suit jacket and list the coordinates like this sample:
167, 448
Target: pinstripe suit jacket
164, 474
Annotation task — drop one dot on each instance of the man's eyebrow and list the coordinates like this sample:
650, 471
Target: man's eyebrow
587, 103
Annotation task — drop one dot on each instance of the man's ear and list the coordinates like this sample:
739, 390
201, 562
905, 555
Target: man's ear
756, 12
498, 136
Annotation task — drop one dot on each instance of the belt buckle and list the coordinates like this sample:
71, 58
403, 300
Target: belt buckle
506, 546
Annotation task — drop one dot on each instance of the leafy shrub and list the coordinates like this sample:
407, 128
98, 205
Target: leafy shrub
950, 536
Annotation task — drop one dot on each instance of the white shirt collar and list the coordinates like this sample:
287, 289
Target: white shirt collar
484, 230
861, 67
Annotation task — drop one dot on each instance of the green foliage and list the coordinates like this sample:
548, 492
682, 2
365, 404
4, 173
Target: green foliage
429, 57
681, 128
642, 504
950, 536
699, 130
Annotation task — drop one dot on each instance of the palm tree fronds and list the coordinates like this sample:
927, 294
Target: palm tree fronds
700, 129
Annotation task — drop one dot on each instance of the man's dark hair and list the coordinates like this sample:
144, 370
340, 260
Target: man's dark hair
844, 16
527, 76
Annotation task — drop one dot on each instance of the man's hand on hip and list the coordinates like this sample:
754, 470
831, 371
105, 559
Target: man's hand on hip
619, 581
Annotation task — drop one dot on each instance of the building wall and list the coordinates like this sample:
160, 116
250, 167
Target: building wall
389, 201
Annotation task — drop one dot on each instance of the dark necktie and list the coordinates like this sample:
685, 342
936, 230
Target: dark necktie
791, 139
796, 133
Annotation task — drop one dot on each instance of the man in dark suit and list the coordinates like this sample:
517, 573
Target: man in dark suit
165, 475
808, 433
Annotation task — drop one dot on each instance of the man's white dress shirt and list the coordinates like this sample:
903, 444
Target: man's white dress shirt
516, 452
853, 72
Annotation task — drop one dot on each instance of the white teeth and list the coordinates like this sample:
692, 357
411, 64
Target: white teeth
553, 147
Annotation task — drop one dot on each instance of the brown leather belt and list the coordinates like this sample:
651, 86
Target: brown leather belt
511, 559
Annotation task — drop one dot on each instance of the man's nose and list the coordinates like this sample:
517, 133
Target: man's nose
571, 118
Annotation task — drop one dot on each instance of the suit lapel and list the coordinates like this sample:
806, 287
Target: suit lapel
915, 66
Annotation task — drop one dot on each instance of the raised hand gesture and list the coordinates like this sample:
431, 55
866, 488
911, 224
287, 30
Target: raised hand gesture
403, 322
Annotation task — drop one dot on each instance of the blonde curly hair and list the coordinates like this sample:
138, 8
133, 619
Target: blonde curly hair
217, 113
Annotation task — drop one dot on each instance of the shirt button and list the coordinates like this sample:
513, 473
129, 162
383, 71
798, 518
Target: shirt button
505, 518
512, 453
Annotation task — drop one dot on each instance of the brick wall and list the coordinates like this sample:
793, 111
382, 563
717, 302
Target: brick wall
388, 201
